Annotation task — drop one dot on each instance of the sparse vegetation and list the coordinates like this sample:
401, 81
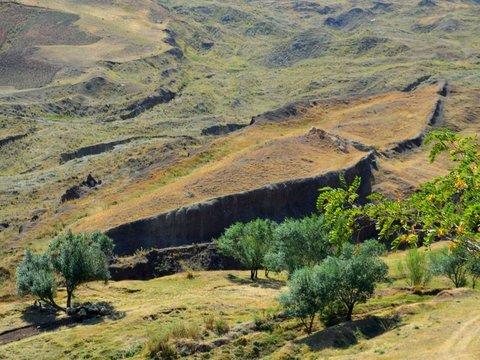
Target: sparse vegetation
416, 268
221, 63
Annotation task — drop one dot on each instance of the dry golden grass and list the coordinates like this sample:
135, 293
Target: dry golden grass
270, 153
127, 33
382, 120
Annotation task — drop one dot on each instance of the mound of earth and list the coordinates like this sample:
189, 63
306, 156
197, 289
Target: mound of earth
22, 28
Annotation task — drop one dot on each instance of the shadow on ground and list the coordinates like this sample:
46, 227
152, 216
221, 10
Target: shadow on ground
42, 319
347, 334
261, 283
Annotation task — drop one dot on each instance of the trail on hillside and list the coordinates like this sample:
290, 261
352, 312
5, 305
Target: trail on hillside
457, 346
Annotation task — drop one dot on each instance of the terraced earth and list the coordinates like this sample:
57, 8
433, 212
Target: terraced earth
153, 98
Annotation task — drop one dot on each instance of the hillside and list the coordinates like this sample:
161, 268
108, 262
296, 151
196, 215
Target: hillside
162, 122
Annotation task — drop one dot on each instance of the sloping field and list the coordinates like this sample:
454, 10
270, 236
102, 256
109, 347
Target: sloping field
68, 38
274, 152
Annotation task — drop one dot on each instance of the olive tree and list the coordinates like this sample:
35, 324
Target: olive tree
248, 243
75, 258
298, 243
309, 293
35, 276
338, 282
355, 274
79, 258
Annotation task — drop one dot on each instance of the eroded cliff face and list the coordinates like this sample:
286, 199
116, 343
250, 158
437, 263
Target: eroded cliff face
205, 221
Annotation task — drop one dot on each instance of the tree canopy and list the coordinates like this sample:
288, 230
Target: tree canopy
76, 258
248, 242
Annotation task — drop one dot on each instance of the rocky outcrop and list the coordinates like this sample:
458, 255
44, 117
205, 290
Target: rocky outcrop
77, 191
12, 138
93, 150
200, 223
222, 129
136, 108
163, 262
412, 86
282, 114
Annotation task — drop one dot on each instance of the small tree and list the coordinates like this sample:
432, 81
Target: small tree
79, 258
356, 273
35, 276
453, 265
299, 243
248, 243
416, 268
337, 283
309, 293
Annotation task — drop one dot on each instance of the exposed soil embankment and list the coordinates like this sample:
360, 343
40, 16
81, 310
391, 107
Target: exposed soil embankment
163, 262
202, 222
12, 138
435, 118
104, 147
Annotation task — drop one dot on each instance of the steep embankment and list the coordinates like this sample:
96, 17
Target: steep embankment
272, 169
204, 221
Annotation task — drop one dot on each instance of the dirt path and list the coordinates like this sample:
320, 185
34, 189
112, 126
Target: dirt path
458, 345
23, 332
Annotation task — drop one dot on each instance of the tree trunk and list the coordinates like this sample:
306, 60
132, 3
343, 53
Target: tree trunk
69, 298
252, 274
350, 312
266, 272
54, 304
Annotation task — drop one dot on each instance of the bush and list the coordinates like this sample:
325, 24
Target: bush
209, 322
221, 326
416, 268
183, 330
159, 347
454, 265
264, 322
474, 269
248, 243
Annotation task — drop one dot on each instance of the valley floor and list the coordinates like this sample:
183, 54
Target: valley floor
442, 326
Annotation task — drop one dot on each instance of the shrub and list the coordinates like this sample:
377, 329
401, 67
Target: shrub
248, 243
416, 268
221, 326
182, 330
159, 347
263, 322
209, 321
474, 269
454, 265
